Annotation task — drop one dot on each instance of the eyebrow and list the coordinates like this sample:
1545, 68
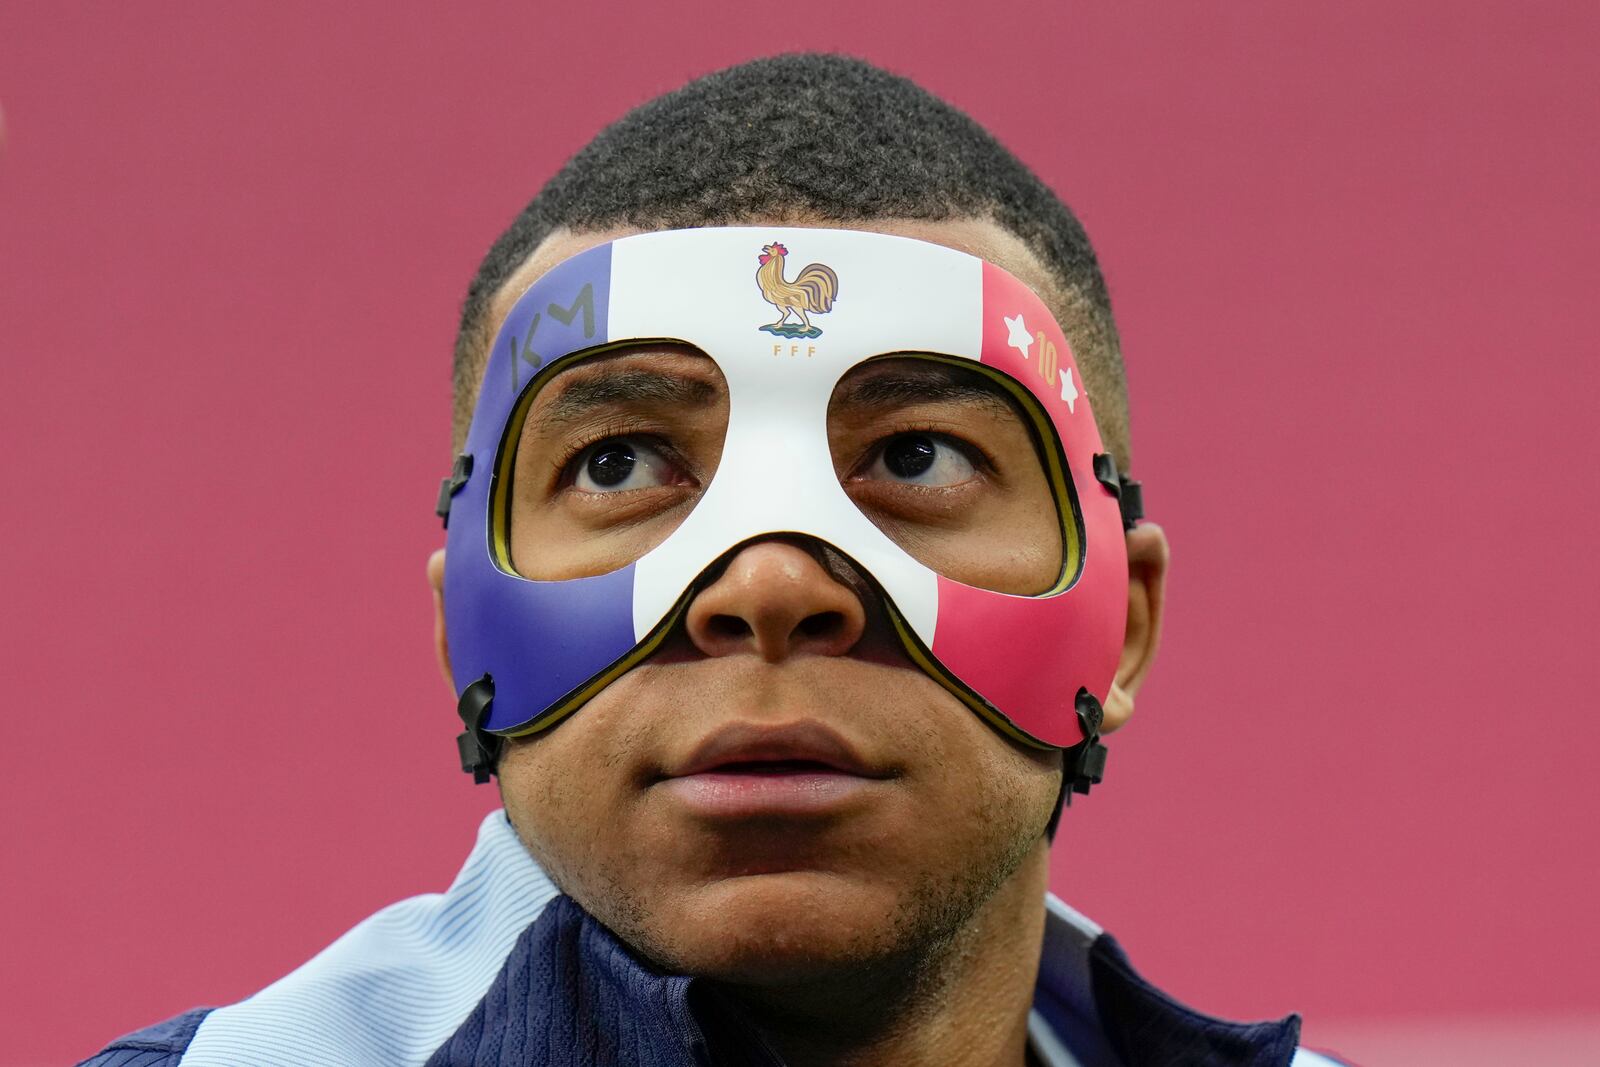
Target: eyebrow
934, 386
576, 399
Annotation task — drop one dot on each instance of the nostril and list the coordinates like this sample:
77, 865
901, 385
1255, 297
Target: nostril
729, 626
821, 624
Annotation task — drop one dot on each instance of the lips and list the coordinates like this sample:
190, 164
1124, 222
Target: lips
797, 771
794, 747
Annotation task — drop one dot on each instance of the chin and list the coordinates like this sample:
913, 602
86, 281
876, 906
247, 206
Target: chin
780, 928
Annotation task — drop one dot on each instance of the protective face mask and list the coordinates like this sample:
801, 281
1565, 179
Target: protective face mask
653, 404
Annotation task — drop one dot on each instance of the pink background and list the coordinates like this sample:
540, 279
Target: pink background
1352, 251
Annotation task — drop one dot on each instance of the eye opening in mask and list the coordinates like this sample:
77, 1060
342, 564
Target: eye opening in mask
954, 527
624, 392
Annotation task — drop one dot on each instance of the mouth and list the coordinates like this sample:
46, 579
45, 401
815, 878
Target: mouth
774, 767
749, 771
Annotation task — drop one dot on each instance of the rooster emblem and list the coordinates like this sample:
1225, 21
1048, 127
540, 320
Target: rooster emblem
811, 293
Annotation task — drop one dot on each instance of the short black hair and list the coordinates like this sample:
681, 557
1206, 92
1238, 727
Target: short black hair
814, 137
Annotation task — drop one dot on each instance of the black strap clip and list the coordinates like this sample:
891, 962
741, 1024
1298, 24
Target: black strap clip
460, 471
1089, 766
1129, 493
1085, 762
479, 749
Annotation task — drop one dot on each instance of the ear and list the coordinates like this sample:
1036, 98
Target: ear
441, 645
1148, 556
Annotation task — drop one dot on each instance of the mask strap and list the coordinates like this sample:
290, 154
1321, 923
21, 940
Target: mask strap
1129, 493
460, 471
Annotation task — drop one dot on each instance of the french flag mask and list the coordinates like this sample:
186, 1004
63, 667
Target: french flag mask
654, 404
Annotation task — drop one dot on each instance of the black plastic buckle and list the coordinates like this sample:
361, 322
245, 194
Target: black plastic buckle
479, 749
1089, 766
1129, 493
460, 471
1085, 762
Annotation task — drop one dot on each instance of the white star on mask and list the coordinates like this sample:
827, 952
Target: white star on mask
1020, 338
1069, 392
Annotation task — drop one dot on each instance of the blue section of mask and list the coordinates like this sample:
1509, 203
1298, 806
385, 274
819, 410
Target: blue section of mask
538, 641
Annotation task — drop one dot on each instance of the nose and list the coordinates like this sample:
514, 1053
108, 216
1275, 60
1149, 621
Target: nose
776, 599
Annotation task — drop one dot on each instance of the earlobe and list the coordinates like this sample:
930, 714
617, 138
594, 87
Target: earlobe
441, 644
1148, 558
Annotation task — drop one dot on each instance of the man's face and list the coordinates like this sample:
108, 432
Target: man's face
778, 792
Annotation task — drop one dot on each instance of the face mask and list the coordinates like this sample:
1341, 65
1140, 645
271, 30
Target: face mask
654, 404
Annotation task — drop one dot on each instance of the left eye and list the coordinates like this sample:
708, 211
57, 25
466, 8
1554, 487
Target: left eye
618, 464
921, 459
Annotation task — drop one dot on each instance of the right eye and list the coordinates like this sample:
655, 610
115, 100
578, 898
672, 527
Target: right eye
620, 464
921, 459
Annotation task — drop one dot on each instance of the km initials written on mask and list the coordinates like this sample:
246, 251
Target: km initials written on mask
522, 349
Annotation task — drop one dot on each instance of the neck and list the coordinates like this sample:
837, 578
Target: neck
961, 1003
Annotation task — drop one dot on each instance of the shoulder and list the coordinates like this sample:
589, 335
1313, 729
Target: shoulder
390, 991
161, 1045
1095, 1003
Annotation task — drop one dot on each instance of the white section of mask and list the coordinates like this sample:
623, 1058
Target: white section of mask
776, 474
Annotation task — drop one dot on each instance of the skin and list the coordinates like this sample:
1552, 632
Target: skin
901, 927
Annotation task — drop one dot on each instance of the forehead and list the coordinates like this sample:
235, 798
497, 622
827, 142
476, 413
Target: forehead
979, 237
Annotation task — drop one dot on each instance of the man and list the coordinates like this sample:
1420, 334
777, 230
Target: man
788, 600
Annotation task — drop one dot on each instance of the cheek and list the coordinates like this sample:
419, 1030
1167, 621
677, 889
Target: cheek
975, 785
565, 789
